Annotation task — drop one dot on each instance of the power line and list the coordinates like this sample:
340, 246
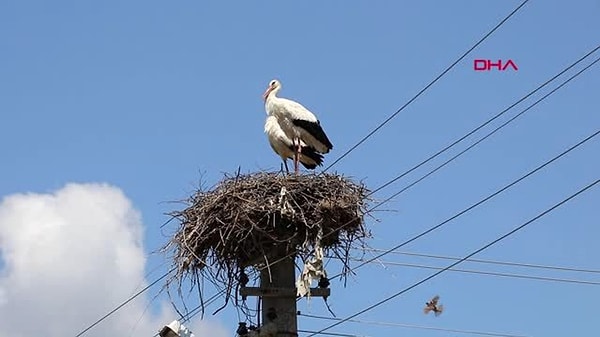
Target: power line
489, 273
479, 202
428, 85
513, 231
332, 333
494, 118
505, 263
489, 134
147, 275
197, 310
413, 326
124, 303
191, 313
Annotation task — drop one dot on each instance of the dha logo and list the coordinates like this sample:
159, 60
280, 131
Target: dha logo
487, 65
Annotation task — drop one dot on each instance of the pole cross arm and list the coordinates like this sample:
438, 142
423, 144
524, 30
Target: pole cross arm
281, 292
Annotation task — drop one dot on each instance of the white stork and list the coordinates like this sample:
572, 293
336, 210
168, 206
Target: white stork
284, 147
298, 124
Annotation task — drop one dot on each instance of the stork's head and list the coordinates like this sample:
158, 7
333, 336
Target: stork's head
274, 86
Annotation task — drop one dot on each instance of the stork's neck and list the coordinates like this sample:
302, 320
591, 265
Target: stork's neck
270, 101
273, 93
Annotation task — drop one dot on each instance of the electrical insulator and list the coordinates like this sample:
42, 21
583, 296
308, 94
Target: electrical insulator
242, 330
243, 279
324, 282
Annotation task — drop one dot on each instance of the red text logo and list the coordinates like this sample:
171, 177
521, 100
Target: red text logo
487, 65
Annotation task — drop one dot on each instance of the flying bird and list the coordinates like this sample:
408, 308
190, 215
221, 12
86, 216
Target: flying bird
284, 146
297, 123
433, 306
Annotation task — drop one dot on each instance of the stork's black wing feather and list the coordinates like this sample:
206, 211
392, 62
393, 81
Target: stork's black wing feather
315, 129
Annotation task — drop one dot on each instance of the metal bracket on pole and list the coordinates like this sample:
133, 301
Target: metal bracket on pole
281, 292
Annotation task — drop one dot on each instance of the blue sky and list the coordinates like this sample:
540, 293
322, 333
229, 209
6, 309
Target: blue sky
152, 96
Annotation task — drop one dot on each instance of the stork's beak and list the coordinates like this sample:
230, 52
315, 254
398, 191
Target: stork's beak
266, 94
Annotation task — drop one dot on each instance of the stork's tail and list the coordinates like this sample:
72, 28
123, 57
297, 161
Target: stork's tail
310, 158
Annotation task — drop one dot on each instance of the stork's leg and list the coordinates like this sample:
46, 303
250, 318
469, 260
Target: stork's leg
296, 169
286, 167
297, 157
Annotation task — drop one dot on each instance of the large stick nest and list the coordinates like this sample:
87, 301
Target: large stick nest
245, 218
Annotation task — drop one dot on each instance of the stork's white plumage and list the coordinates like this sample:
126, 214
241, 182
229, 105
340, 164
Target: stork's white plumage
284, 146
298, 123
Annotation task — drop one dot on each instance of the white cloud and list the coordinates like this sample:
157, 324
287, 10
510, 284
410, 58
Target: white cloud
69, 257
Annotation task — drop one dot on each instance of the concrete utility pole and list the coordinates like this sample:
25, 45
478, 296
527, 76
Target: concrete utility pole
278, 292
281, 300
